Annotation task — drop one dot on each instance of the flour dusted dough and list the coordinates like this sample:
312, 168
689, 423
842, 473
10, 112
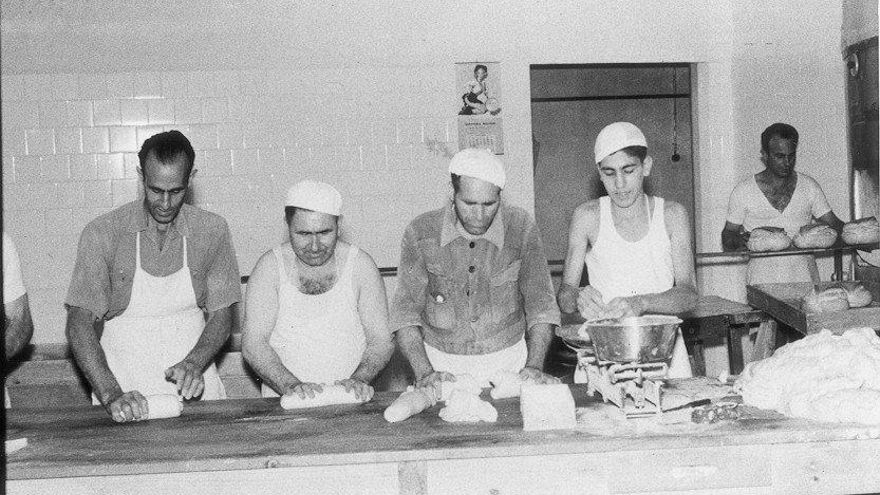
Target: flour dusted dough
817, 235
332, 394
768, 239
464, 382
506, 384
822, 377
163, 406
409, 403
862, 231
462, 406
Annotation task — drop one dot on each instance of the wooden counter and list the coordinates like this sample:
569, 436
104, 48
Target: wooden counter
254, 446
783, 302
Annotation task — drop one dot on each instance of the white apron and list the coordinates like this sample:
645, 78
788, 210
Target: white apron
318, 337
483, 367
160, 326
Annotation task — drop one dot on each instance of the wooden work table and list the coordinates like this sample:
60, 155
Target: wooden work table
254, 446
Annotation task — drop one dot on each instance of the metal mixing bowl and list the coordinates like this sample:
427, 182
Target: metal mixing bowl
633, 339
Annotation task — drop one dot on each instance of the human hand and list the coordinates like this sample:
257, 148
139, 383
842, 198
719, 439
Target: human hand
590, 303
432, 383
304, 390
130, 406
568, 298
620, 307
361, 390
536, 376
188, 378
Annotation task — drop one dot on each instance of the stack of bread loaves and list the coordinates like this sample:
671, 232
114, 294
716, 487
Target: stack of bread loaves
768, 239
862, 231
837, 297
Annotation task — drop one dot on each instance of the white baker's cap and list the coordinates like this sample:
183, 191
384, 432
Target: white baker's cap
614, 137
315, 196
480, 164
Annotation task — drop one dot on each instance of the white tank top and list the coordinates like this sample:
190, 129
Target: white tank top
318, 337
620, 268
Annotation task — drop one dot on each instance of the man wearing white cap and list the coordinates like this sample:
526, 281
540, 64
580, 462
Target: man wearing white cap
638, 249
315, 310
474, 293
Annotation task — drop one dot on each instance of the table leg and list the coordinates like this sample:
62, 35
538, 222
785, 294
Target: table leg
734, 349
765, 341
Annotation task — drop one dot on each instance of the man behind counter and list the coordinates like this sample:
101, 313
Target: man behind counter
474, 294
316, 310
638, 249
778, 196
146, 276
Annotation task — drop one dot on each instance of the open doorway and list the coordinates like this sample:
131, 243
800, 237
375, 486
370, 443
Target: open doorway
572, 103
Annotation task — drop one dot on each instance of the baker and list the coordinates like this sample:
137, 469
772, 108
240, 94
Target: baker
316, 311
474, 294
150, 299
778, 196
638, 249
18, 327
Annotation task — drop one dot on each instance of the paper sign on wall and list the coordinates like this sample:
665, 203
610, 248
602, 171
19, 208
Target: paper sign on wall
478, 93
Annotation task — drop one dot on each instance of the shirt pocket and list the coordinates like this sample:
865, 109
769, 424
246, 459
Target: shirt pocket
504, 291
439, 306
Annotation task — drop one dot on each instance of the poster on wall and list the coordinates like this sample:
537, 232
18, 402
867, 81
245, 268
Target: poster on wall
478, 96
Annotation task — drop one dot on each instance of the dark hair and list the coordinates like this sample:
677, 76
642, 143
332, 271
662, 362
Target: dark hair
639, 152
456, 182
167, 146
780, 130
480, 66
290, 210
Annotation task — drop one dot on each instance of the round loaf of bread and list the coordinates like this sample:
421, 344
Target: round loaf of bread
831, 299
768, 239
856, 294
862, 231
817, 235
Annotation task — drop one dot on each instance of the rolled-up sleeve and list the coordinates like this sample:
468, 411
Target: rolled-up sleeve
412, 282
223, 279
90, 284
534, 282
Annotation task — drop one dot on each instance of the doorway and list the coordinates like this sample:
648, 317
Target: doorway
572, 103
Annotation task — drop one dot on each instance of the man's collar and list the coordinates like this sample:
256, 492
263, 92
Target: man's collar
140, 219
452, 229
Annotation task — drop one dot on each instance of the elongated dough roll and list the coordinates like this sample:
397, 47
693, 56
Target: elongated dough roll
817, 235
332, 394
409, 403
862, 231
768, 239
163, 406
830, 299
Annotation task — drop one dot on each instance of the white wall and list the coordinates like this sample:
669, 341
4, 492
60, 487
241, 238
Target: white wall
361, 95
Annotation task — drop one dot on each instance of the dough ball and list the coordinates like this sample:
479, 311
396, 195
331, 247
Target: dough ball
768, 239
862, 231
817, 235
830, 299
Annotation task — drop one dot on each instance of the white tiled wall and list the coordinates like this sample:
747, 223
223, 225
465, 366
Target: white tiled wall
70, 153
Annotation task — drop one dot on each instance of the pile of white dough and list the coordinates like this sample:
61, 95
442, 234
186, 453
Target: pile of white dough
824, 377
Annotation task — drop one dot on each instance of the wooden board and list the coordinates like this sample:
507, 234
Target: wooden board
783, 302
258, 433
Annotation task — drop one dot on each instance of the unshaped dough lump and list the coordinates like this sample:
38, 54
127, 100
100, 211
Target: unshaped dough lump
462, 406
824, 377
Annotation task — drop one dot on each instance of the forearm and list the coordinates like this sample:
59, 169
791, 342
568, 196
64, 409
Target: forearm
266, 363
85, 344
677, 300
19, 326
214, 336
538, 338
732, 241
376, 356
412, 346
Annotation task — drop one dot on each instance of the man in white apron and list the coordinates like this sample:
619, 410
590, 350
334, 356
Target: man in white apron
316, 312
150, 300
18, 326
474, 294
638, 249
778, 196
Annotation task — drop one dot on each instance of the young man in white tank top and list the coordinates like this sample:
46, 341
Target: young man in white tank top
638, 249
316, 312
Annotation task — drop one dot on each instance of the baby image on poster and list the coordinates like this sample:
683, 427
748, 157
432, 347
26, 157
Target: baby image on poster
478, 98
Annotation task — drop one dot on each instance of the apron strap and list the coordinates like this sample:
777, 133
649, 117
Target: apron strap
185, 257
137, 251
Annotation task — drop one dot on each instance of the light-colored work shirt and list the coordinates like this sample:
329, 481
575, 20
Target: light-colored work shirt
473, 294
105, 262
13, 284
749, 207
